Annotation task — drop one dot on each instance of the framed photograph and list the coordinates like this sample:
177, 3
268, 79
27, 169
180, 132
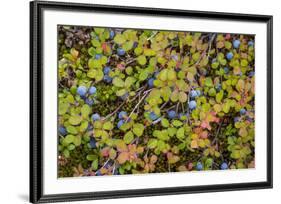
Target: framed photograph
131, 101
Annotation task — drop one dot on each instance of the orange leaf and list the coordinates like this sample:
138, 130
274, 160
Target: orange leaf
123, 157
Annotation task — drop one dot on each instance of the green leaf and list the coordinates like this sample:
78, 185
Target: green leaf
83, 126
99, 75
63, 107
163, 75
219, 96
107, 125
244, 63
69, 139
119, 38
165, 122
75, 120
121, 92
92, 73
171, 74
95, 164
118, 82
95, 43
180, 133
66, 153
172, 131
152, 143
91, 157
129, 81
85, 110
141, 60
71, 147
128, 137
77, 141
196, 56
177, 123
91, 51
182, 97
71, 129
138, 129
226, 107
128, 45
143, 75
212, 92
208, 82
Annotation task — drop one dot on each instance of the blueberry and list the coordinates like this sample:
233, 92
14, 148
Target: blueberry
150, 82
175, 57
90, 127
242, 111
218, 87
183, 115
92, 90
115, 172
251, 74
95, 117
156, 73
107, 79
172, 114
152, 116
93, 142
90, 102
106, 70
198, 92
192, 105
199, 166
229, 55
193, 94
250, 43
125, 96
112, 34
82, 90
98, 173
226, 70
236, 119
135, 44
122, 114
120, 52
224, 166
120, 123
236, 43
62, 130
98, 56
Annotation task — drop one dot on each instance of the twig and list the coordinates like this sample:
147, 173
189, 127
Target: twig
164, 104
103, 165
168, 108
210, 44
111, 114
152, 35
137, 105
177, 108
130, 61
217, 133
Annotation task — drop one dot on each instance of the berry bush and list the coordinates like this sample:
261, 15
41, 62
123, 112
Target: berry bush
145, 101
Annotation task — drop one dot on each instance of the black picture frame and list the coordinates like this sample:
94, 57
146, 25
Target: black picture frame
36, 101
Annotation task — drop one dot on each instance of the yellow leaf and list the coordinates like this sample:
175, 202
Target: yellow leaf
194, 144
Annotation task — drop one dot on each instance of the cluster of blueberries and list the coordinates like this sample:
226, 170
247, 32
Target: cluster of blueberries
199, 166
236, 44
229, 55
172, 114
82, 91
